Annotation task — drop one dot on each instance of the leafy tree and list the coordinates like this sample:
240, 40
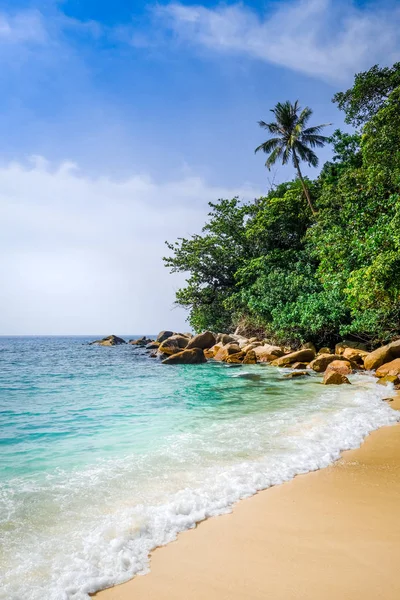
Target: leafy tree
292, 140
212, 260
298, 276
368, 94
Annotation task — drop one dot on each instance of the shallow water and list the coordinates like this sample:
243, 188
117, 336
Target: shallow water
106, 453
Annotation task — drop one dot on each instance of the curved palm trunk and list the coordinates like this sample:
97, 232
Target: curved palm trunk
303, 183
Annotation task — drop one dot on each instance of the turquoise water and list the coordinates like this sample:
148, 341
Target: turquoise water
106, 453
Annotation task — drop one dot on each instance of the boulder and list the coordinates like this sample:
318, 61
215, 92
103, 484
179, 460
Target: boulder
163, 335
309, 346
226, 351
173, 344
321, 362
236, 358
225, 338
111, 340
343, 367
242, 342
305, 355
153, 345
195, 356
295, 374
143, 341
250, 358
355, 355
334, 378
389, 379
267, 353
340, 348
391, 368
251, 346
382, 355
202, 340
324, 350
209, 353
299, 365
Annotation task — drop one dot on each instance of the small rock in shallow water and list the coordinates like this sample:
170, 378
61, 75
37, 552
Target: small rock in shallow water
295, 374
111, 340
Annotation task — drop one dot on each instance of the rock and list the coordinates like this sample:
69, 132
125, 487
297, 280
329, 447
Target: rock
173, 344
309, 346
320, 363
153, 354
202, 340
382, 355
355, 355
250, 358
251, 346
268, 353
334, 378
153, 345
299, 365
324, 350
164, 335
195, 356
305, 355
143, 341
295, 374
389, 379
340, 348
235, 358
111, 340
209, 353
224, 338
226, 351
340, 366
391, 368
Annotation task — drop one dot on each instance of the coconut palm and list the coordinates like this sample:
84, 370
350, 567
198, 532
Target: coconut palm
292, 140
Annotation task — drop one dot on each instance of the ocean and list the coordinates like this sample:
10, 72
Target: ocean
107, 453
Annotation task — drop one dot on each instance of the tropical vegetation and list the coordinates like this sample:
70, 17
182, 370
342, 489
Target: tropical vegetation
274, 265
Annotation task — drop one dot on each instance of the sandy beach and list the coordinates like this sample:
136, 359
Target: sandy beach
330, 534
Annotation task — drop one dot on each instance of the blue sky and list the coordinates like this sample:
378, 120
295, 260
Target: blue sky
152, 107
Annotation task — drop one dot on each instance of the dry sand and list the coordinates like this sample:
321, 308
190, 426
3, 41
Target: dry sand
329, 535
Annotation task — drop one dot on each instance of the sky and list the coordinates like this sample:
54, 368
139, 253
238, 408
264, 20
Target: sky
120, 121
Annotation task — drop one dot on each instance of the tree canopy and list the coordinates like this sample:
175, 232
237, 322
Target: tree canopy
272, 265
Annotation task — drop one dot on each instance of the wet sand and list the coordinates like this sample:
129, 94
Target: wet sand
329, 535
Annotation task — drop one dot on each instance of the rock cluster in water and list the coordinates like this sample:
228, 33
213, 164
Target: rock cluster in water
348, 356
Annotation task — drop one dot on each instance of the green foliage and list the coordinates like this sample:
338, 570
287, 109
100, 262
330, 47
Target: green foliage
368, 94
303, 278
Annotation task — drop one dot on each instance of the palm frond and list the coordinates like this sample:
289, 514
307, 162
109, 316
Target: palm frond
313, 140
269, 145
272, 127
304, 116
273, 157
316, 128
306, 154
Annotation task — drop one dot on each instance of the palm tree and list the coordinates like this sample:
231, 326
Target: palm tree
292, 140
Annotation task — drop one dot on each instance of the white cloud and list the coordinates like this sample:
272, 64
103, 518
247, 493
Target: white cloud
328, 39
83, 255
22, 27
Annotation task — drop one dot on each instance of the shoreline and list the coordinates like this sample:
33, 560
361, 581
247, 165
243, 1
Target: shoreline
331, 533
